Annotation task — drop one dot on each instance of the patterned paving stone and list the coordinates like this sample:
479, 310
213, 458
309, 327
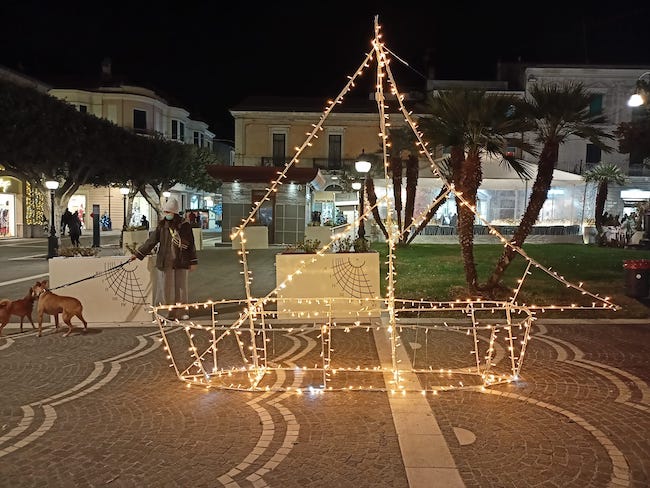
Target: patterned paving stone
105, 409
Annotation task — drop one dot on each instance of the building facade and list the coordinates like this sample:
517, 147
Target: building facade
134, 108
268, 131
144, 112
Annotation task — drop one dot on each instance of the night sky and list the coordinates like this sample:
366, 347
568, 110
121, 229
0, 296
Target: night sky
208, 57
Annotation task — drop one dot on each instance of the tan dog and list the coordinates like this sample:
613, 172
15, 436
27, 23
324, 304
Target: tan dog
5, 312
22, 308
53, 304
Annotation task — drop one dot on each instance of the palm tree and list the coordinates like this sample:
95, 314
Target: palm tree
603, 174
557, 112
402, 160
475, 125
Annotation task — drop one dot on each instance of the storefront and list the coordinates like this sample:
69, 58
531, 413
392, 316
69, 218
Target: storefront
12, 208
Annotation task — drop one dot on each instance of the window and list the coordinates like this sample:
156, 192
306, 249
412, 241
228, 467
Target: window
83, 108
139, 120
596, 104
504, 202
279, 149
334, 155
198, 138
593, 154
178, 130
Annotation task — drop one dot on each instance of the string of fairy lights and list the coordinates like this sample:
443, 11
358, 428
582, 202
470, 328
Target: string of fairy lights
243, 354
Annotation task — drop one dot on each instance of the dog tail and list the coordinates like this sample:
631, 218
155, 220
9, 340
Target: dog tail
5, 302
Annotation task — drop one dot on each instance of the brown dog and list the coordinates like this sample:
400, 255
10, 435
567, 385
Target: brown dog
5, 312
53, 304
22, 308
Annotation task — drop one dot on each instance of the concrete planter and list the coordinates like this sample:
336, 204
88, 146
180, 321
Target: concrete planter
134, 238
257, 237
320, 232
122, 294
589, 234
198, 238
339, 284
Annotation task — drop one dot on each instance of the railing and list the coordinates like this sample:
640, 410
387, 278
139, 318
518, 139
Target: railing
333, 164
320, 163
638, 170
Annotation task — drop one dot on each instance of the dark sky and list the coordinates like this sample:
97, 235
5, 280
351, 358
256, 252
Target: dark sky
209, 56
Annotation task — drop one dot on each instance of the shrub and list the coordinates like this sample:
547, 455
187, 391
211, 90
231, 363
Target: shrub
70, 252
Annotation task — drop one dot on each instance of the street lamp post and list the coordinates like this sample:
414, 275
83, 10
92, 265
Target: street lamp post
362, 165
356, 185
52, 240
124, 191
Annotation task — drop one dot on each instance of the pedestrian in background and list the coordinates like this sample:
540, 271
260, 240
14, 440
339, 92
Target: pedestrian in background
71, 220
65, 218
176, 256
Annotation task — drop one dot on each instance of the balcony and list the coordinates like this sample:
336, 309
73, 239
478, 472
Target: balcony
638, 170
320, 163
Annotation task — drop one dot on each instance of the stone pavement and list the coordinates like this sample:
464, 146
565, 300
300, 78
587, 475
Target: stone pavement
105, 409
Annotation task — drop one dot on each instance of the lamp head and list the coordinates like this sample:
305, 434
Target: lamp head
166, 194
640, 95
635, 100
124, 191
362, 164
356, 185
51, 184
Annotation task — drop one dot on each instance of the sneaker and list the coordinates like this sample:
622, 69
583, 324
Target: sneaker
185, 316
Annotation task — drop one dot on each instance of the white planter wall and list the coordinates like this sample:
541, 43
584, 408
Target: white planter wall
120, 295
257, 237
136, 237
348, 278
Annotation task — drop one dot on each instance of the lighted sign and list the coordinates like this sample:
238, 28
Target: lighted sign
635, 194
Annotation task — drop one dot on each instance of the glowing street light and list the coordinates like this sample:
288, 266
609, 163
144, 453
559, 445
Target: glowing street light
637, 99
124, 191
362, 165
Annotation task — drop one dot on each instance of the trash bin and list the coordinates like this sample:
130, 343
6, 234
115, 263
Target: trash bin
637, 277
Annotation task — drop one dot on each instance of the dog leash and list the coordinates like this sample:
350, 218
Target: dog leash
96, 275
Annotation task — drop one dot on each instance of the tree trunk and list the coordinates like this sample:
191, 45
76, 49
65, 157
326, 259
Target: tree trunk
372, 201
396, 172
538, 196
412, 170
467, 182
599, 211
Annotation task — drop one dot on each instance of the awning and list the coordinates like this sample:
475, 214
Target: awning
261, 174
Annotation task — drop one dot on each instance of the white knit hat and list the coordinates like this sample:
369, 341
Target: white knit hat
171, 206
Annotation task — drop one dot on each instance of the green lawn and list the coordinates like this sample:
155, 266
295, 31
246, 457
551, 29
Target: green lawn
435, 272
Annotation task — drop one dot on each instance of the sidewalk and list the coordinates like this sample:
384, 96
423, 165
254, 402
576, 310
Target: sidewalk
109, 403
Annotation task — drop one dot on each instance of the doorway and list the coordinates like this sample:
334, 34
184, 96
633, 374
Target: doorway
266, 213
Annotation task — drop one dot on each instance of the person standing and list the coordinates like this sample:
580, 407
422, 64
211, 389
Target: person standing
65, 218
74, 226
176, 255
72, 222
